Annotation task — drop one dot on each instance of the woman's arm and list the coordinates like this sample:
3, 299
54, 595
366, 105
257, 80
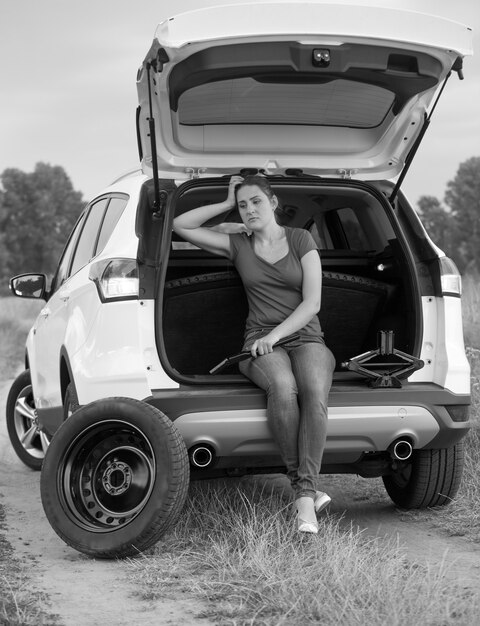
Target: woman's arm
230, 228
310, 305
189, 225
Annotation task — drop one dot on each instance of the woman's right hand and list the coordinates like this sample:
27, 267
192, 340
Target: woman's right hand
234, 181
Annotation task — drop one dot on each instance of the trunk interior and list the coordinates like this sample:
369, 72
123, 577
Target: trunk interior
367, 282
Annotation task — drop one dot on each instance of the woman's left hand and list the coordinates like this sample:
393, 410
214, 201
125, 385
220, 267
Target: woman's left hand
264, 345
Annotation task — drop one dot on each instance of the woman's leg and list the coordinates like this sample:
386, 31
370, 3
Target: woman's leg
273, 373
312, 366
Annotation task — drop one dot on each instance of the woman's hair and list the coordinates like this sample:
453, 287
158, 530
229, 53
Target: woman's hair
259, 181
264, 185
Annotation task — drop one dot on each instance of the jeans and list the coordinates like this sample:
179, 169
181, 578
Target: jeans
297, 380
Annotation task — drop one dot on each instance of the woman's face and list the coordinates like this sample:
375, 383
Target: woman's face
255, 207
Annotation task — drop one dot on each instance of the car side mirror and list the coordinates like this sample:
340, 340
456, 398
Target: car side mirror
29, 286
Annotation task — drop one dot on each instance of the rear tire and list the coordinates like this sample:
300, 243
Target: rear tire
70, 402
115, 478
431, 479
29, 443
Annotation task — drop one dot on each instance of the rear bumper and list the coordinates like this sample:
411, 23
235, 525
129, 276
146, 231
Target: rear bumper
232, 421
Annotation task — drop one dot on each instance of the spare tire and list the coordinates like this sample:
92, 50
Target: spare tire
115, 478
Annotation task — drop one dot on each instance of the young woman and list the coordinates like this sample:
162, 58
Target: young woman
281, 272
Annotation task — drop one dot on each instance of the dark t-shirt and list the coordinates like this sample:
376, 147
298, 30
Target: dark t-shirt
274, 290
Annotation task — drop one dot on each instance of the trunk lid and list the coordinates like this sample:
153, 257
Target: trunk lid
332, 90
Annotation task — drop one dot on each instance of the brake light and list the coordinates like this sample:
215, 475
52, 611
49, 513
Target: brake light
116, 279
450, 279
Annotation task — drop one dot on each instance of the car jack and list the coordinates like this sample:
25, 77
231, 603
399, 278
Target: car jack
384, 372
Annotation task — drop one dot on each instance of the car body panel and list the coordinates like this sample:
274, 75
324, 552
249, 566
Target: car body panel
233, 422
120, 354
350, 429
71, 313
370, 151
64, 322
443, 350
276, 18
111, 357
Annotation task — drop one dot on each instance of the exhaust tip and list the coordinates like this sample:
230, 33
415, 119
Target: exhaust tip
201, 456
401, 450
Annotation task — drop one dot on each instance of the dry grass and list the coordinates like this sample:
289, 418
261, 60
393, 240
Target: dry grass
237, 547
16, 318
465, 516
19, 604
470, 309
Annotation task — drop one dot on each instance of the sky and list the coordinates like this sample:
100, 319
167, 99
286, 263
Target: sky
68, 93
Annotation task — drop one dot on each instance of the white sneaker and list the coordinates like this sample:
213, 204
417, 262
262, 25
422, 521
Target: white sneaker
306, 522
322, 500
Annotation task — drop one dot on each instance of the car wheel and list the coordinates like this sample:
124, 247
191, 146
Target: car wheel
70, 401
115, 478
29, 443
432, 478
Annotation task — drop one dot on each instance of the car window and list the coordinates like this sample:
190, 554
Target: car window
352, 230
249, 101
114, 211
64, 264
88, 238
320, 233
339, 229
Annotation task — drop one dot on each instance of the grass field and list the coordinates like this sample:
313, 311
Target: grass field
471, 310
18, 603
236, 546
16, 318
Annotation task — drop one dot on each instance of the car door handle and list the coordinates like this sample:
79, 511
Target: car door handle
45, 312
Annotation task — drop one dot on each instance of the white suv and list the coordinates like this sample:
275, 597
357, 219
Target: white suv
330, 103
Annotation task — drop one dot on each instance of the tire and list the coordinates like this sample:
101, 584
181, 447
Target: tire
29, 443
115, 478
70, 402
431, 479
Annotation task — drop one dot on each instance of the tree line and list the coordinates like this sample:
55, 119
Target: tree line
37, 212
455, 225
39, 209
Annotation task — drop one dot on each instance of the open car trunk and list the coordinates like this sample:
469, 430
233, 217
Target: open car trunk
367, 284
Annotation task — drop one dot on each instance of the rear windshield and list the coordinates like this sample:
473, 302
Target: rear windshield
248, 101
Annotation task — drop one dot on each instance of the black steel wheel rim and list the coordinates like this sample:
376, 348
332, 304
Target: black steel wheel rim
106, 476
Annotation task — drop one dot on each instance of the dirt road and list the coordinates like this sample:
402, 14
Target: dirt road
84, 591
81, 591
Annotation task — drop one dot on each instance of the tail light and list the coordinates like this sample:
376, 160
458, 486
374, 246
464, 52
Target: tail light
450, 279
116, 279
